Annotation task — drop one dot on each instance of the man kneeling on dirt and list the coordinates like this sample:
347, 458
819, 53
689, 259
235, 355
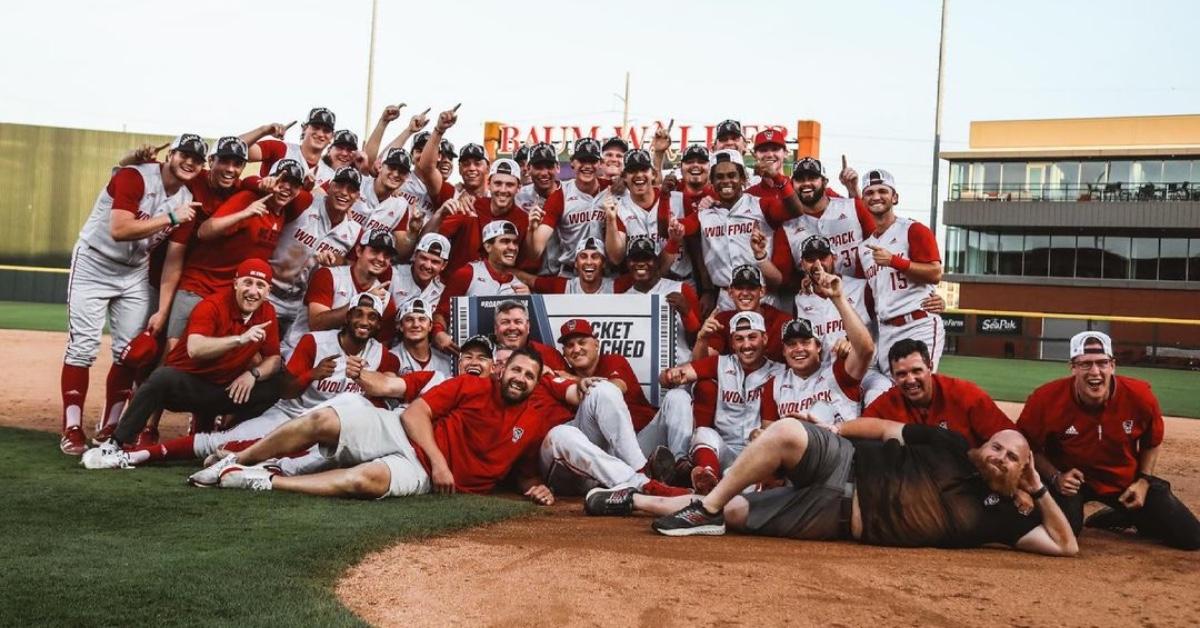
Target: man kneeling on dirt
952, 496
484, 427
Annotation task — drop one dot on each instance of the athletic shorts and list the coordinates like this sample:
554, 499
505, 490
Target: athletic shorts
371, 434
181, 310
811, 507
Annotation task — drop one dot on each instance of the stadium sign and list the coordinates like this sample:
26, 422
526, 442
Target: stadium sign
954, 323
998, 325
563, 136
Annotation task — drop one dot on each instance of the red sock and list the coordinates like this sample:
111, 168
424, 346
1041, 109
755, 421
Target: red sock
182, 448
705, 457
117, 390
74, 386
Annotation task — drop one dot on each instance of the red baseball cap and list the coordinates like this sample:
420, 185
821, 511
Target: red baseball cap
255, 267
140, 351
771, 136
575, 327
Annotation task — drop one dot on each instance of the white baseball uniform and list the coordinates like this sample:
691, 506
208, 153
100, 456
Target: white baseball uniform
438, 362
736, 408
843, 223
295, 256
292, 151
405, 288
634, 220
830, 394
344, 289
824, 315
574, 215
725, 238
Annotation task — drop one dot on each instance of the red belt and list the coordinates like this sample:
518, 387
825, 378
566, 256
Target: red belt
914, 315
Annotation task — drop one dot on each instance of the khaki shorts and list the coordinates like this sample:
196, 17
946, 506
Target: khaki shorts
371, 434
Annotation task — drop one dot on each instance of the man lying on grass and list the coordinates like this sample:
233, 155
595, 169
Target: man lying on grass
895, 484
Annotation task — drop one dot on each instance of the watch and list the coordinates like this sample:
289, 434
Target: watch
254, 372
1036, 495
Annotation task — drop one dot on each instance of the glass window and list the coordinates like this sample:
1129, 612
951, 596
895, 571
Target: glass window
974, 255
1173, 259
1092, 177
1064, 181
1120, 171
954, 249
1011, 248
1037, 255
1147, 172
1062, 256
991, 178
1194, 260
1116, 257
1175, 176
1012, 181
1145, 258
989, 248
1088, 257
958, 179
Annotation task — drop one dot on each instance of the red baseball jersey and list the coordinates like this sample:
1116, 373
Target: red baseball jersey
218, 316
775, 319
1104, 444
958, 405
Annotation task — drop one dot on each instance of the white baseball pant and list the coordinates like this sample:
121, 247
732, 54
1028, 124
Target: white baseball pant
928, 330
206, 443
98, 288
709, 438
598, 446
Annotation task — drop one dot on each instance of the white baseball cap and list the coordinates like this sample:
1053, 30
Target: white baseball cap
505, 166
591, 243
747, 321
1078, 341
726, 154
373, 302
879, 177
416, 307
498, 228
435, 244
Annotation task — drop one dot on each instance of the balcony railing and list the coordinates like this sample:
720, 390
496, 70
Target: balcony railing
1103, 192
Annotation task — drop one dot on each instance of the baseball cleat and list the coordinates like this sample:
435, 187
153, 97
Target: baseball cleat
73, 442
691, 520
108, 455
254, 478
104, 434
661, 465
704, 480
609, 502
211, 475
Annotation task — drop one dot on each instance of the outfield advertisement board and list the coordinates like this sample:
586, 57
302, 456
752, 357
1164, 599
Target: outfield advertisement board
954, 323
639, 327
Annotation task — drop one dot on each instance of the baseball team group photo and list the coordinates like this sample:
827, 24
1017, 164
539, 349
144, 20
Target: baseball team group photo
450, 354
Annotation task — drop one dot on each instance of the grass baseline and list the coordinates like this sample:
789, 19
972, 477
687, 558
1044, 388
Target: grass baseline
139, 546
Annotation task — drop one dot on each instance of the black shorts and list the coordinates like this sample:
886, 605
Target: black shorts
811, 507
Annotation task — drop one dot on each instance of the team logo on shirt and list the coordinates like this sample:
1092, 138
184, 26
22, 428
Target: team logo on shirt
944, 425
1127, 425
517, 434
1071, 431
991, 500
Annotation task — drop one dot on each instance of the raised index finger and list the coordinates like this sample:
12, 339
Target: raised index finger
455, 109
289, 125
160, 148
844, 165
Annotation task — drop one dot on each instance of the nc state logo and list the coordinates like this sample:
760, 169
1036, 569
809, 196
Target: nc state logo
1127, 425
517, 434
991, 500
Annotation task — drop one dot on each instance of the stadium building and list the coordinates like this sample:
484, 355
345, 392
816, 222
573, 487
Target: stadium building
1055, 226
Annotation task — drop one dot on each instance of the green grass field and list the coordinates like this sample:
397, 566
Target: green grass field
139, 547
33, 316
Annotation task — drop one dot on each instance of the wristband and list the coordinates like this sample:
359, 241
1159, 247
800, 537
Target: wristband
1036, 495
900, 264
760, 259
438, 328
173, 219
254, 372
672, 247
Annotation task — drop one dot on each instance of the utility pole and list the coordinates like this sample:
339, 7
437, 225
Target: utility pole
937, 123
370, 68
625, 116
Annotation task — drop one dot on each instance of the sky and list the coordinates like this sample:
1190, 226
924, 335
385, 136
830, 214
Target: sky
866, 70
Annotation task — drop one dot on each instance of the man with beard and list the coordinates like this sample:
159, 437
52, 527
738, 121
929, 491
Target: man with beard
643, 278
215, 370
320, 236
332, 288
589, 274
638, 212
464, 224
465, 434
842, 221
316, 373
846, 481
315, 135
571, 213
812, 387
422, 279
1116, 465
726, 414
490, 276
615, 427
414, 350
747, 292
511, 329
136, 211
903, 265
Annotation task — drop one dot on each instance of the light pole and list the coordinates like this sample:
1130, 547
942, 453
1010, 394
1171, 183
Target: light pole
370, 68
937, 123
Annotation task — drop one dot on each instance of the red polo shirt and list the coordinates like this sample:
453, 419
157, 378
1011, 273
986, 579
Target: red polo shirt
218, 316
1103, 443
958, 405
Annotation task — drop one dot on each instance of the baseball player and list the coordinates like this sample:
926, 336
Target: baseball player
421, 279
394, 170
1097, 436
472, 161
521, 156
320, 236
415, 189
541, 168
465, 434
639, 212
317, 371
571, 213
343, 151
215, 370
770, 149
374, 141
693, 174
615, 428
727, 228
109, 277
589, 273
727, 413
842, 221
490, 276
844, 486
414, 350
813, 388
729, 137
315, 136
331, 288
746, 290
613, 152
464, 221
642, 261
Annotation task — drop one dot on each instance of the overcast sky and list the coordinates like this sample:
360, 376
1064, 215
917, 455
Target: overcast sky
865, 69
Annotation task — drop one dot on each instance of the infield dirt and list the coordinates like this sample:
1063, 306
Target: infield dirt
562, 568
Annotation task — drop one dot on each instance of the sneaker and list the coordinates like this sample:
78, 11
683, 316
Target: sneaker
254, 478
1110, 519
661, 465
659, 489
609, 502
148, 437
704, 480
73, 442
104, 434
108, 455
216, 456
211, 475
689, 521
